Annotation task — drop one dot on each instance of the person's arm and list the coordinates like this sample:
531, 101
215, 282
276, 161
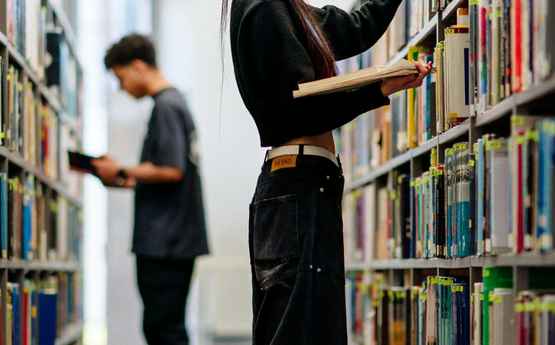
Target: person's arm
353, 33
114, 175
278, 62
166, 163
149, 173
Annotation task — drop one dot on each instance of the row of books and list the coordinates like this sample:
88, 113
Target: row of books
510, 48
410, 19
34, 30
490, 198
34, 223
478, 64
443, 311
414, 116
37, 311
26, 30
30, 126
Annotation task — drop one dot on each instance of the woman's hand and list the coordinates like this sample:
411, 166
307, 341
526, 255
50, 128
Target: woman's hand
392, 85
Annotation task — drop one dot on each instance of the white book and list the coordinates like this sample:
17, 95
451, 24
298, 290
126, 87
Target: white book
457, 45
502, 318
355, 80
498, 158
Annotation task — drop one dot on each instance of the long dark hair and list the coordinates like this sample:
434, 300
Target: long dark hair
318, 46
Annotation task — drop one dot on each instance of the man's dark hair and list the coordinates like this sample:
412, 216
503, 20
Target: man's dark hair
129, 48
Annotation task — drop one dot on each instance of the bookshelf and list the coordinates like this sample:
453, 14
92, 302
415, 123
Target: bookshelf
44, 272
368, 275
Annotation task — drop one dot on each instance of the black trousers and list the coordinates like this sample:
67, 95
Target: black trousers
164, 286
296, 252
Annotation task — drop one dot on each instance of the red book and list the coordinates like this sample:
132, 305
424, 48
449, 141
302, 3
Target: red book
520, 203
517, 45
26, 316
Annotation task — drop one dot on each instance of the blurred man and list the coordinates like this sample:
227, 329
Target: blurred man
169, 224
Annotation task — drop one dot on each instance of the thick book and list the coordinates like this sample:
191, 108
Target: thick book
494, 277
355, 80
498, 178
47, 302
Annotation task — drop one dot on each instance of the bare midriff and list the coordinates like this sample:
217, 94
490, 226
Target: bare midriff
323, 140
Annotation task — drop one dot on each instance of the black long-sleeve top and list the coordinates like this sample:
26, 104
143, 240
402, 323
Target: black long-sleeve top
270, 60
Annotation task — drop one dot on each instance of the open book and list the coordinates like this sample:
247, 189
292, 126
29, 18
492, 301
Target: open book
355, 80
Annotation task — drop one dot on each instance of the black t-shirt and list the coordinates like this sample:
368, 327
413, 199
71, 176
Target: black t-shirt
169, 217
270, 59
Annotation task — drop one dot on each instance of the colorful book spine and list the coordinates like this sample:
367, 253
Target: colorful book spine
546, 176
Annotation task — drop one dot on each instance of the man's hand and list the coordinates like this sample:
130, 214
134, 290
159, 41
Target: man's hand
107, 169
392, 85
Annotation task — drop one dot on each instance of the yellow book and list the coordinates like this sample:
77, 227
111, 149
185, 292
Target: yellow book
411, 106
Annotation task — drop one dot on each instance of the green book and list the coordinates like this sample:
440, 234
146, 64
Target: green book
493, 277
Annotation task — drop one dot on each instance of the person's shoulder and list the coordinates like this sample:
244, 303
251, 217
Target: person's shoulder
244, 8
170, 101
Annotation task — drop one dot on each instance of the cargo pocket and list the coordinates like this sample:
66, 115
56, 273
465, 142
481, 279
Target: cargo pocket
276, 244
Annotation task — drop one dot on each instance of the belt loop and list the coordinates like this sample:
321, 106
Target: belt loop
301, 149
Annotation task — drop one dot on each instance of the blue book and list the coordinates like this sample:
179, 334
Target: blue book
28, 218
16, 314
464, 223
47, 302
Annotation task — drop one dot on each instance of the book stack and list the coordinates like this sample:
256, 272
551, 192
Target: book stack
493, 307
535, 318
421, 103
442, 310
510, 48
427, 200
452, 62
62, 75
29, 124
483, 200
36, 225
358, 307
37, 310
26, 30
437, 312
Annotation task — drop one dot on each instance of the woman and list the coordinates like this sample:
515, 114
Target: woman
295, 229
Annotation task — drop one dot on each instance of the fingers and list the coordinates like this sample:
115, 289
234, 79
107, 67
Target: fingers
423, 71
